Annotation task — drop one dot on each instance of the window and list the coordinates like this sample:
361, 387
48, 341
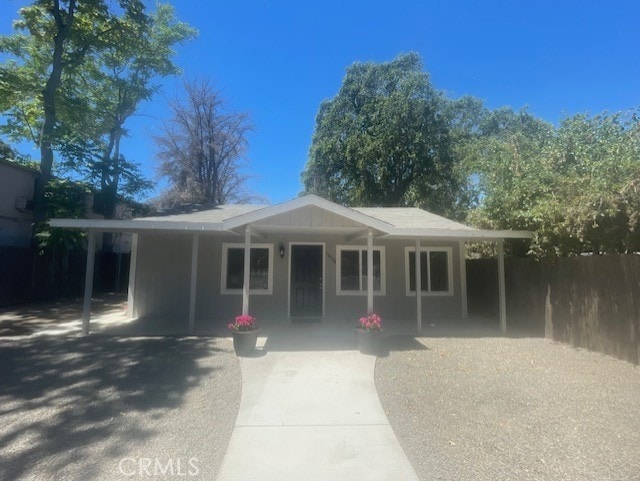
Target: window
436, 274
351, 270
260, 269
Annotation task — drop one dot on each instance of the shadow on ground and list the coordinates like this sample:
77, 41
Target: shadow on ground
34, 318
67, 400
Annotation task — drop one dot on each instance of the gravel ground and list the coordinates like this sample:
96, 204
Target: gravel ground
503, 409
98, 408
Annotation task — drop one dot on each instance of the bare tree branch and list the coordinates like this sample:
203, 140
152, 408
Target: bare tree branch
202, 150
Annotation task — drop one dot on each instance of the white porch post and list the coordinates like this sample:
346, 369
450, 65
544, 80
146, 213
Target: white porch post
369, 272
133, 261
463, 280
247, 271
88, 282
418, 287
194, 282
501, 288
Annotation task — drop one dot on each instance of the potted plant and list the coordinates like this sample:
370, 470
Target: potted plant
369, 330
245, 334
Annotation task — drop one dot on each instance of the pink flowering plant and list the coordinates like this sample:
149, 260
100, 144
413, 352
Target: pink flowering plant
372, 322
243, 323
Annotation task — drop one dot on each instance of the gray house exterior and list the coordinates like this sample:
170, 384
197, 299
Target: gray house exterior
17, 185
309, 258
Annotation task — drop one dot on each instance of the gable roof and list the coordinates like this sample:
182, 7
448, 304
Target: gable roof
387, 221
308, 200
217, 214
411, 218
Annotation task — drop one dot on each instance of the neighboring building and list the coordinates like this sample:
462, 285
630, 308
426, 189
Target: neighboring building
17, 189
17, 186
309, 258
120, 242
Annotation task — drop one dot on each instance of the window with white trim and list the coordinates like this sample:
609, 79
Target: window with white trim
260, 269
351, 270
436, 271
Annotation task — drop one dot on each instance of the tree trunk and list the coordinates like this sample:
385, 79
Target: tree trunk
110, 181
48, 97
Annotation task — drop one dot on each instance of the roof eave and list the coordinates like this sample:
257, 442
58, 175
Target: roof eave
134, 225
461, 234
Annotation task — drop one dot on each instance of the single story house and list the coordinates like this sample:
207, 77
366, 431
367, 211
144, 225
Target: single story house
306, 258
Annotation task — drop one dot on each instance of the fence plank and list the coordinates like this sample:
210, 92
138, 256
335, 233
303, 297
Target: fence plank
27, 275
587, 301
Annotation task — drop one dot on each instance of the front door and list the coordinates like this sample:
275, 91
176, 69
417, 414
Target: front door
306, 280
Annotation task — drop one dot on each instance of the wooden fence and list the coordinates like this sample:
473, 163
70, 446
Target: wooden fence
587, 301
27, 276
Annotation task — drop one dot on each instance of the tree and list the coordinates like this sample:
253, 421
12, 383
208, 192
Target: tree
78, 73
595, 196
6, 152
202, 149
59, 35
384, 139
503, 157
577, 186
120, 78
66, 199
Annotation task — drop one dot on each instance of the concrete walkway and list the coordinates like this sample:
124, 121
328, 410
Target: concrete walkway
312, 415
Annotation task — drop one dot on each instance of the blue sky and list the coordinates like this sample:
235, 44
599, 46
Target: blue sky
278, 60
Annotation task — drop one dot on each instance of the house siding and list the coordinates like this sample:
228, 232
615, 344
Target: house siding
163, 272
163, 278
17, 183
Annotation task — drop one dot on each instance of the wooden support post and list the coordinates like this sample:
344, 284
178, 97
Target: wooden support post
418, 286
501, 288
194, 282
463, 280
247, 271
369, 272
131, 291
88, 282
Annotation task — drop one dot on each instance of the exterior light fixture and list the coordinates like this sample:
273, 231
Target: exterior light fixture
281, 250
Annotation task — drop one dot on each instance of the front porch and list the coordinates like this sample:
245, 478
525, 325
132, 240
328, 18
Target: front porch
283, 334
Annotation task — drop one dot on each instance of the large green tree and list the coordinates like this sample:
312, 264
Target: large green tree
48, 51
576, 186
78, 70
120, 78
385, 139
502, 158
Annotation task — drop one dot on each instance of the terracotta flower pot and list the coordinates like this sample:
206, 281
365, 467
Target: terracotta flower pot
369, 341
244, 342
